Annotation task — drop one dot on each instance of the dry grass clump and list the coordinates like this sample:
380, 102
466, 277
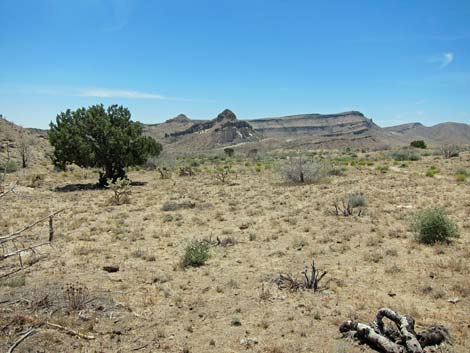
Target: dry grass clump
175, 206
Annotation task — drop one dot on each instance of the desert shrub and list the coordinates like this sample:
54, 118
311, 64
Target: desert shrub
346, 206
357, 199
432, 225
431, 171
382, 168
449, 151
300, 171
175, 206
336, 171
229, 151
121, 189
222, 173
462, 174
405, 154
196, 253
37, 180
418, 144
76, 297
10, 166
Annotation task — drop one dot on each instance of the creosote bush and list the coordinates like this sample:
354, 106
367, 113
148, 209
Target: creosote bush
432, 225
196, 253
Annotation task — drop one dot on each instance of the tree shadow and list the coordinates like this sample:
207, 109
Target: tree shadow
77, 187
89, 186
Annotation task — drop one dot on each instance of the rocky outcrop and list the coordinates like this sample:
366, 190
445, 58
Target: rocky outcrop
224, 129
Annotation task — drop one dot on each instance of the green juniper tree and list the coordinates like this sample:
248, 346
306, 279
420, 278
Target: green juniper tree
100, 138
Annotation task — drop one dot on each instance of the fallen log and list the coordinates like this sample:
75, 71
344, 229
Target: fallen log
402, 339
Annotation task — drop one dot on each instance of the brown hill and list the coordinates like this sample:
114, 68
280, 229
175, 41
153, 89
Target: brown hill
12, 137
445, 133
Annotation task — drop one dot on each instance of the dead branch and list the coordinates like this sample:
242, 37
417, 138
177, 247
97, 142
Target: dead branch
401, 339
19, 251
18, 233
21, 339
16, 247
70, 331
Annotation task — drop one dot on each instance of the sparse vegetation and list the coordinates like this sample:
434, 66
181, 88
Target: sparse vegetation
462, 174
433, 225
450, 151
300, 171
406, 154
229, 151
196, 253
121, 189
346, 206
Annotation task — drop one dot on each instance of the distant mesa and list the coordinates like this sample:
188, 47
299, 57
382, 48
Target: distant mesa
301, 131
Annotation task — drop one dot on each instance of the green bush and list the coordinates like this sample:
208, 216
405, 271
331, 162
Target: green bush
431, 171
432, 225
196, 253
10, 167
418, 144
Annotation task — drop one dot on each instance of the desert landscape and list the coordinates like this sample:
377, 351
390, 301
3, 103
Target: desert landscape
234, 176
116, 277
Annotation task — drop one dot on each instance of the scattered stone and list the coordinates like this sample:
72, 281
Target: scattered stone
392, 294
453, 300
249, 341
111, 269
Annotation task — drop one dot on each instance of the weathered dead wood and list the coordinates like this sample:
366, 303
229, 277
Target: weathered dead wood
69, 331
19, 251
13, 244
18, 233
21, 339
391, 340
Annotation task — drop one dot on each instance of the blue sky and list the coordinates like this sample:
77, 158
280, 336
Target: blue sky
396, 61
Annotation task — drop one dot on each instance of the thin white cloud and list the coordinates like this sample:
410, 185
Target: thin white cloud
114, 93
443, 59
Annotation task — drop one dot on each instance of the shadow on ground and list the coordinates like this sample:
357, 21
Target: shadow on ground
88, 186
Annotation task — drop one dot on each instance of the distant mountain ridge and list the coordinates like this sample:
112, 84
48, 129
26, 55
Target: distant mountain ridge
301, 131
443, 133
308, 131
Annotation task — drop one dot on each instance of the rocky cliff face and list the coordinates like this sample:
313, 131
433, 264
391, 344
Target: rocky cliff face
184, 133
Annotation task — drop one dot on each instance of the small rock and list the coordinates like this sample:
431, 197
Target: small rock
248, 341
111, 269
392, 294
453, 300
